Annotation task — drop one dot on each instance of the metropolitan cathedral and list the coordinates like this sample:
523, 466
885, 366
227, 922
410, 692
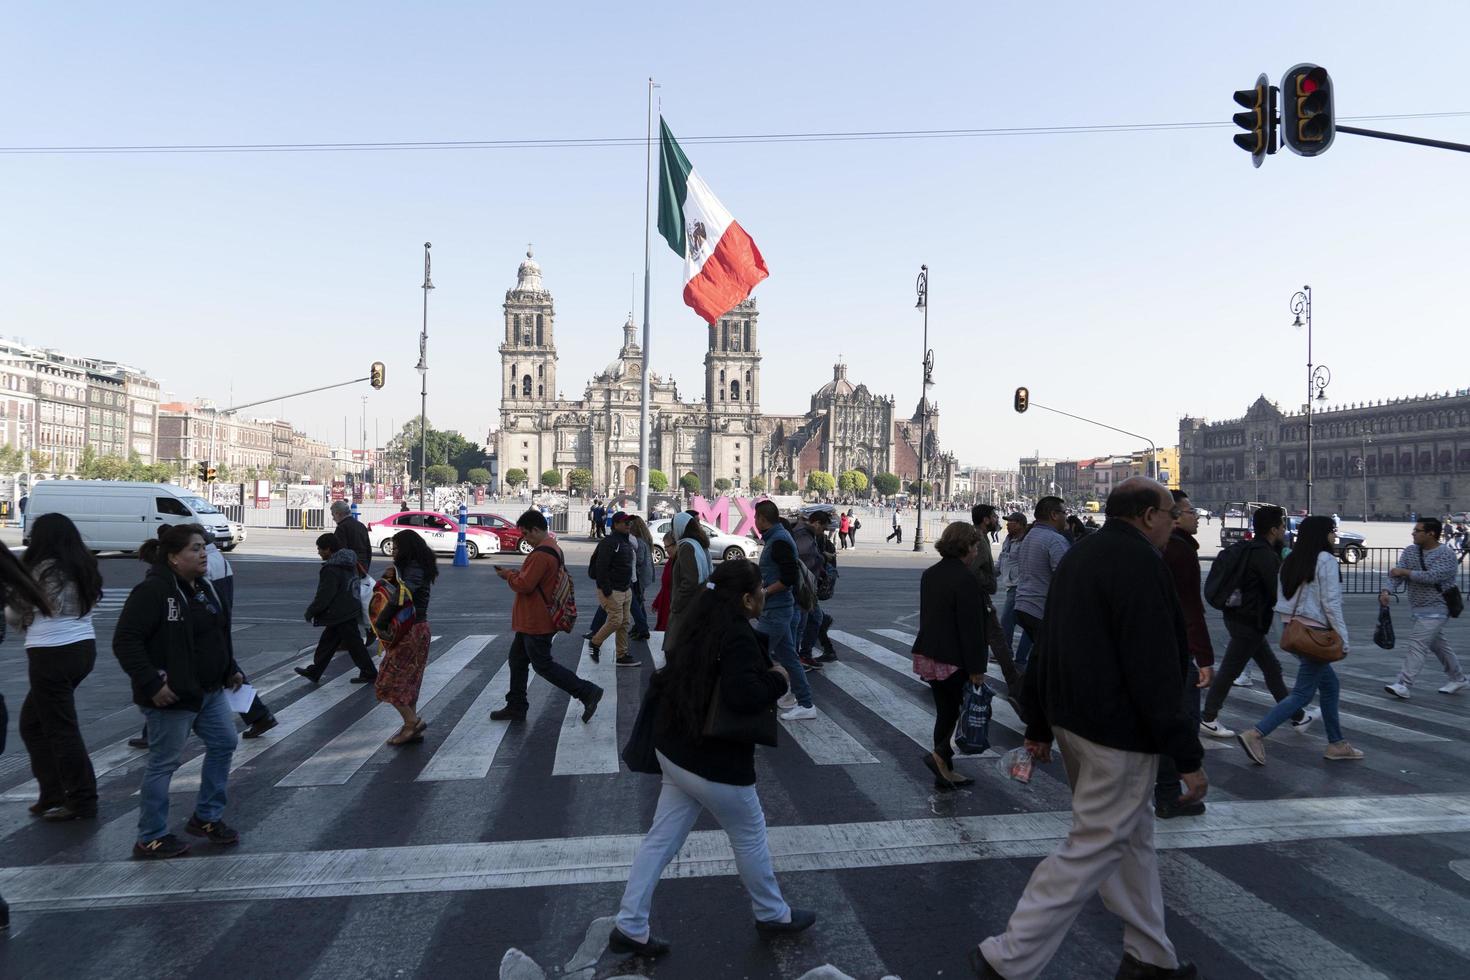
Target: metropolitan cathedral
723, 434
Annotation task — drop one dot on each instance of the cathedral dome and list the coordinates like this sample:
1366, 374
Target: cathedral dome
528, 276
839, 386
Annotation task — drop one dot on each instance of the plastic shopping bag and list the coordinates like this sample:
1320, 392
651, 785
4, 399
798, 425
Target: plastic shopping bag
1016, 764
1383, 633
972, 732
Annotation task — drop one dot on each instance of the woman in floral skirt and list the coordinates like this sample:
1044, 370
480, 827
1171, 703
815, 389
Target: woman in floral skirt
404, 659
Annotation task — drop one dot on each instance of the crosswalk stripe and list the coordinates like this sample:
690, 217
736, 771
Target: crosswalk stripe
895, 709
826, 742
1406, 709
591, 747
469, 751
656, 649
340, 759
1355, 723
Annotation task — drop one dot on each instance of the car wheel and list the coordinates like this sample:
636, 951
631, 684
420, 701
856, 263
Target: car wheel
524, 547
1352, 554
659, 556
733, 553
472, 550
386, 547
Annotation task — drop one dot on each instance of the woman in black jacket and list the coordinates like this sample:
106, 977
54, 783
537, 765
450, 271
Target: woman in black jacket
950, 647
338, 610
173, 641
720, 656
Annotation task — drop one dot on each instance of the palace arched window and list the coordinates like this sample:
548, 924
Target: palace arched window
526, 386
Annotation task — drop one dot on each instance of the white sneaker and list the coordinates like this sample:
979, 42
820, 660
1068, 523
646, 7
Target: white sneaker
1454, 687
1398, 690
1308, 716
1215, 730
799, 713
1245, 680
786, 701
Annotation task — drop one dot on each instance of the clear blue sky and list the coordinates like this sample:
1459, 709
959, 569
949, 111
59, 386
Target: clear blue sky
1134, 276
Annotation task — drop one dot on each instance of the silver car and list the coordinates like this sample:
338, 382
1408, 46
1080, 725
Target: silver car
721, 545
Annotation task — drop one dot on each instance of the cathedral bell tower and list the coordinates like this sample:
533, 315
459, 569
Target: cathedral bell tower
528, 355
732, 366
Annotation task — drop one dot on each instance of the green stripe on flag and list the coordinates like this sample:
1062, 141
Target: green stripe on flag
673, 188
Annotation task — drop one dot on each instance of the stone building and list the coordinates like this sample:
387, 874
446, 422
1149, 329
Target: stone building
1400, 456
724, 434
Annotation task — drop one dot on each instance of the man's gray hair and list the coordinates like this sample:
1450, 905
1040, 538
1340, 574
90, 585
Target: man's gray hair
341, 508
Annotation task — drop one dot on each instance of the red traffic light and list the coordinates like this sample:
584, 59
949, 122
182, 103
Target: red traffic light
1308, 122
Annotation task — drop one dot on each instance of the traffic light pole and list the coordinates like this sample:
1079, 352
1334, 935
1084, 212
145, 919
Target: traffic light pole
1401, 138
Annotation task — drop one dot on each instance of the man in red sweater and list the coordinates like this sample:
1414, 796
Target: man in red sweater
530, 618
1181, 554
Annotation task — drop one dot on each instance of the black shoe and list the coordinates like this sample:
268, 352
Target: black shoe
41, 806
364, 678
167, 846
259, 728
1132, 969
309, 674
641, 635
619, 943
809, 664
626, 660
589, 634
217, 831
510, 712
801, 920
65, 813
141, 742
595, 653
4, 916
1168, 811
589, 705
981, 965
827, 657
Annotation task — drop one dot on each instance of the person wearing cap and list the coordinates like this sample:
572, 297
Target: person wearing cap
613, 565
1007, 574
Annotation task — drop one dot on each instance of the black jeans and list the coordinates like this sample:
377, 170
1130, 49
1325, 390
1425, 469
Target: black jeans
1245, 645
344, 634
49, 726
530, 651
949, 695
897, 533
1166, 790
1001, 651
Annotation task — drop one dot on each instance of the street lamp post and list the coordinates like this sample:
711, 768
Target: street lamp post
1318, 378
1363, 468
1256, 465
423, 370
922, 285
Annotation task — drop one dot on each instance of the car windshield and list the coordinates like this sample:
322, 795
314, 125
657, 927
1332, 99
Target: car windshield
200, 506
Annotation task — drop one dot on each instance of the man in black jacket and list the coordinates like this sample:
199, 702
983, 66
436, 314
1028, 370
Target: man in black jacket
1107, 678
337, 609
1249, 623
612, 567
351, 532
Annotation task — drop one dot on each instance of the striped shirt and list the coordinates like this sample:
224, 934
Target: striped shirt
1429, 572
1041, 550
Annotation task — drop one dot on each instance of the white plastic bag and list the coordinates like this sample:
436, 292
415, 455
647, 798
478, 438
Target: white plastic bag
1016, 764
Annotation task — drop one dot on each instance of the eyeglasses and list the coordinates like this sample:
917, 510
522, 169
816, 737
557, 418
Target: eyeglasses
1173, 512
202, 597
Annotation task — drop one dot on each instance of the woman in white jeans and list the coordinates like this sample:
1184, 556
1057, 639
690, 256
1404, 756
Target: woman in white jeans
720, 656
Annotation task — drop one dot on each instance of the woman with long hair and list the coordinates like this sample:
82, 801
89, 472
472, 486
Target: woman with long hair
16, 585
722, 658
1310, 591
950, 647
660, 603
642, 539
691, 570
61, 650
405, 657
173, 641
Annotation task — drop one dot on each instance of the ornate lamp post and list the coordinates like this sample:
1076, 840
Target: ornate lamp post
1256, 448
423, 369
1363, 469
1318, 378
922, 286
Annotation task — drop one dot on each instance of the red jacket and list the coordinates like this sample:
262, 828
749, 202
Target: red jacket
1181, 554
533, 584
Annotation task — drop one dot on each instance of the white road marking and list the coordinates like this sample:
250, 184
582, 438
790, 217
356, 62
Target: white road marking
591, 747
469, 751
558, 862
656, 649
898, 635
826, 742
340, 759
1353, 723
890, 706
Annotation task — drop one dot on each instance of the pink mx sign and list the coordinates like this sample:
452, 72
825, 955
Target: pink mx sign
718, 513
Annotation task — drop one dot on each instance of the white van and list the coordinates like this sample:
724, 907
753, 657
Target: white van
115, 516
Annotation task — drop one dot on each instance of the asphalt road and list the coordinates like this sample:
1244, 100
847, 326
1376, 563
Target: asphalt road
364, 861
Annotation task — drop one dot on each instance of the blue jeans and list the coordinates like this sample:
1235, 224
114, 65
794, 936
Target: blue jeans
808, 630
167, 730
1022, 650
779, 622
1312, 677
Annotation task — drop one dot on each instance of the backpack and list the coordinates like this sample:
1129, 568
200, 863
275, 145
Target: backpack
1227, 576
561, 605
827, 582
385, 593
806, 587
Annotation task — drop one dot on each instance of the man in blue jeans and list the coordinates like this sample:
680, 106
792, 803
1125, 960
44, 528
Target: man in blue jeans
1007, 574
781, 618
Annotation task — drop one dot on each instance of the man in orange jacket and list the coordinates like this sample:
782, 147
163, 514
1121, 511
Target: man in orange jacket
530, 618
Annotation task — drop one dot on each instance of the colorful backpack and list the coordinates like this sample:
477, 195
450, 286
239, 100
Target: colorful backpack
561, 605
386, 593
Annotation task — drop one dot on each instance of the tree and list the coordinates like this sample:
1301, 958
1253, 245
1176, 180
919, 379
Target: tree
757, 484
723, 484
551, 478
516, 477
110, 468
820, 482
853, 482
690, 482
658, 480
40, 462
478, 475
788, 486
443, 475
579, 480
886, 484
443, 447
916, 487
87, 464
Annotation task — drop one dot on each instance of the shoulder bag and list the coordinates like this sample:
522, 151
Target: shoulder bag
1453, 599
735, 726
638, 755
1319, 643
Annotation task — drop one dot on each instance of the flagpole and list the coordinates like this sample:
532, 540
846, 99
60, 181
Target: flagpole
644, 438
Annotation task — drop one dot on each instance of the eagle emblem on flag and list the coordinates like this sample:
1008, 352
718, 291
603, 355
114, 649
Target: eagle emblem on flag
696, 237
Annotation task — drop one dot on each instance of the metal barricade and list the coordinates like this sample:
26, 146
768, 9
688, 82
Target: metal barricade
1368, 574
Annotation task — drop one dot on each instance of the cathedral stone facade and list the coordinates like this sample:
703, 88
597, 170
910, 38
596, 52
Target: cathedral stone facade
723, 435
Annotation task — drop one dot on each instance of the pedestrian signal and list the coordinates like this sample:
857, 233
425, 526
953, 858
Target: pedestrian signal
1023, 399
1308, 123
377, 374
1258, 121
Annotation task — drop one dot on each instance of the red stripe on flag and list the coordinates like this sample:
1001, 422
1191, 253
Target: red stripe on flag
728, 275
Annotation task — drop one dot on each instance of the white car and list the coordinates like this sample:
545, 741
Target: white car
721, 545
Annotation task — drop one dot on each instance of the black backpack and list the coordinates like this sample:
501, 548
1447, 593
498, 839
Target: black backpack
1227, 575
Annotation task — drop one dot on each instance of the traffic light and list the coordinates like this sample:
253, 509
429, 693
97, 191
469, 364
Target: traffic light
1308, 123
378, 374
1258, 121
204, 472
209, 475
1023, 399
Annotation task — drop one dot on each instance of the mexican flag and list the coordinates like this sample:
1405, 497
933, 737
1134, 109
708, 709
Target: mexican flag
721, 263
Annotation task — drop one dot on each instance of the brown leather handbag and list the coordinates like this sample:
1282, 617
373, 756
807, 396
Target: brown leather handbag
1319, 643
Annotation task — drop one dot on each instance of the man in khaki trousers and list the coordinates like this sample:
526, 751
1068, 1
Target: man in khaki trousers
1107, 680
